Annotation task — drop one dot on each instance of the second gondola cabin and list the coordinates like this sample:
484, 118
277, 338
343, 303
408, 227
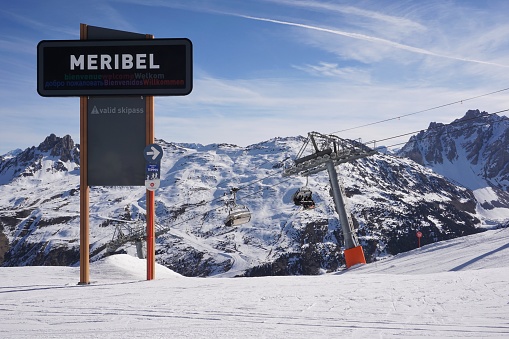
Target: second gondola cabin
304, 197
237, 214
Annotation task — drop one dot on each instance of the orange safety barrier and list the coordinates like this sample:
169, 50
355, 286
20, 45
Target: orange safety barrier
354, 256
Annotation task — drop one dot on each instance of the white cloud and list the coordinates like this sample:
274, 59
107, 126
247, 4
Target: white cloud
39, 25
332, 70
359, 16
376, 40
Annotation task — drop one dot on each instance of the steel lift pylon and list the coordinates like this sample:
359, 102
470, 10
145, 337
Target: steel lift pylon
329, 151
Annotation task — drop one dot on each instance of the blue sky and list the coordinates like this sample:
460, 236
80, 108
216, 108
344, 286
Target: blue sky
270, 68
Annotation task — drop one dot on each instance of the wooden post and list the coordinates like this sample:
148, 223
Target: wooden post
84, 189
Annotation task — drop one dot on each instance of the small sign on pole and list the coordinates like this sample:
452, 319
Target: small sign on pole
153, 176
153, 154
419, 236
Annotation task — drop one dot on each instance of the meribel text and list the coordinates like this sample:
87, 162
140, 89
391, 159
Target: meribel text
115, 61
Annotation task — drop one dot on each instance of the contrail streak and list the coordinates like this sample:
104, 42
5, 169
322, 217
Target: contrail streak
373, 39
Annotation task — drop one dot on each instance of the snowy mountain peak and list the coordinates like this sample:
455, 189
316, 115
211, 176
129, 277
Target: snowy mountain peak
10, 154
472, 114
53, 154
472, 151
60, 147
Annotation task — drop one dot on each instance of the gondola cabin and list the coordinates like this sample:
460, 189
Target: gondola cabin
303, 197
238, 215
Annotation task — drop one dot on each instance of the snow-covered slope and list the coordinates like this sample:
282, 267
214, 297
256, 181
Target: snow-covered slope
458, 288
390, 198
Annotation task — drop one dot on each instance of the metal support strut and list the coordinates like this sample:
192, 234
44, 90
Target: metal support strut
339, 202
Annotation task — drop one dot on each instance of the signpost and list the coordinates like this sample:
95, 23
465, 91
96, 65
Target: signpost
115, 74
419, 236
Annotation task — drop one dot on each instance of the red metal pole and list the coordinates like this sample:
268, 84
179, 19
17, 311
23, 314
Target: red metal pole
151, 252
151, 243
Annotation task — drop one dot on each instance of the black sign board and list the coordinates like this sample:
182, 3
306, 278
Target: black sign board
116, 139
114, 67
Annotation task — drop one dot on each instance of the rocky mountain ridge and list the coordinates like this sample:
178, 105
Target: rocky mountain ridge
472, 151
29, 162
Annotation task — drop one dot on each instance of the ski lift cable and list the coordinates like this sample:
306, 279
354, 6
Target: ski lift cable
305, 144
167, 229
237, 188
422, 111
429, 136
267, 187
459, 121
290, 178
277, 173
371, 142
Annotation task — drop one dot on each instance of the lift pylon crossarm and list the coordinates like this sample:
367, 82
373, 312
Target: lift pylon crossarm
326, 148
318, 154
